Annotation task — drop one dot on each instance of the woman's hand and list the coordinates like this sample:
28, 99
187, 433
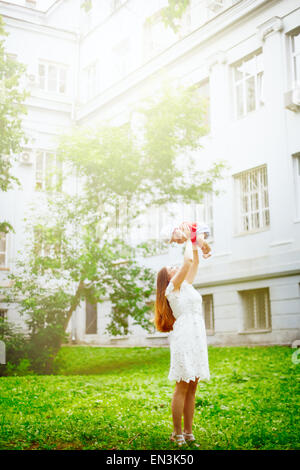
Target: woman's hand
206, 249
186, 230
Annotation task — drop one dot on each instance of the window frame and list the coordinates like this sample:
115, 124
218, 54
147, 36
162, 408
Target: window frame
239, 215
268, 315
296, 178
293, 55
258, 86
55, 175
59, 68
5, 252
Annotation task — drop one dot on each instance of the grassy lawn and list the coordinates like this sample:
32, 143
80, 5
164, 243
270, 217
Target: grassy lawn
112, 398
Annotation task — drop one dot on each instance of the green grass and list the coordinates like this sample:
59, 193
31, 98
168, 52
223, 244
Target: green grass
112, 398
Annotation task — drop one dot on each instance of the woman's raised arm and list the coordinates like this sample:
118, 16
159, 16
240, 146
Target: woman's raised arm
190, 277
187, 262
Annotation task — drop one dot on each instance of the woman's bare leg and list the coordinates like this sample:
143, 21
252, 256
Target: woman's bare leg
189, 406
178, 400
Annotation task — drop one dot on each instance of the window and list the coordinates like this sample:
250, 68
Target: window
3, 249
296, 166
248, 85
256, 308
295, 46
90, 318
208, 312
91, 81
52, 77
48, 171
252, 200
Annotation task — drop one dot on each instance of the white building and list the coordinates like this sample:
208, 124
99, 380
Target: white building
245, 57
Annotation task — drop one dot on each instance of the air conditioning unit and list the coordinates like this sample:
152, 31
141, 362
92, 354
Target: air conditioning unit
215, 5
26, 158
292, 99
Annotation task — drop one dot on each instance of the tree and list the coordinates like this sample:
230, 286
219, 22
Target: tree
12, 109
78, 251
173, 12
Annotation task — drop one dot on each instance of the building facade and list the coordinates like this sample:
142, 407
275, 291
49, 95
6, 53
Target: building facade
244, 57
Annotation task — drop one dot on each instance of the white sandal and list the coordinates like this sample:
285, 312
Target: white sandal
177, 438
189, 437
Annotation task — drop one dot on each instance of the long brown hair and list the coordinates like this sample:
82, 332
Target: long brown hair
163, 318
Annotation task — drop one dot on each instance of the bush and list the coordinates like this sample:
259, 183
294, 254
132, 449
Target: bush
23, 368
43, 347
31, 353
16, 348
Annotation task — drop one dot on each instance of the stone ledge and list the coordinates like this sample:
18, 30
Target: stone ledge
254, 332
163, 335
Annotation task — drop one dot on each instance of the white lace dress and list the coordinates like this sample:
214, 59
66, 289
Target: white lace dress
188, 345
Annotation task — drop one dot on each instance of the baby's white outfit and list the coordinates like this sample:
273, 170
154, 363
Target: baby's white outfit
188, 345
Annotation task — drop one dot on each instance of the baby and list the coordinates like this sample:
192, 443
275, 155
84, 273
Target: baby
197, 232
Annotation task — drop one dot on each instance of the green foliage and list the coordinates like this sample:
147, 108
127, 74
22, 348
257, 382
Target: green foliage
173, 12
115, 161
130, 298
12, 109
87, 5
45, 314
15, 345
120, 398
6, 227
20, 369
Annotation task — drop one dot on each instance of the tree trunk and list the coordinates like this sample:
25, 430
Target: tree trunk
74, 304
72, 308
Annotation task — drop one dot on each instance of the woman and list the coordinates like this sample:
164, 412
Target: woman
178, 309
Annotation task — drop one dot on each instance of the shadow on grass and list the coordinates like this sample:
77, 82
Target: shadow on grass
104, 368
95, 362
